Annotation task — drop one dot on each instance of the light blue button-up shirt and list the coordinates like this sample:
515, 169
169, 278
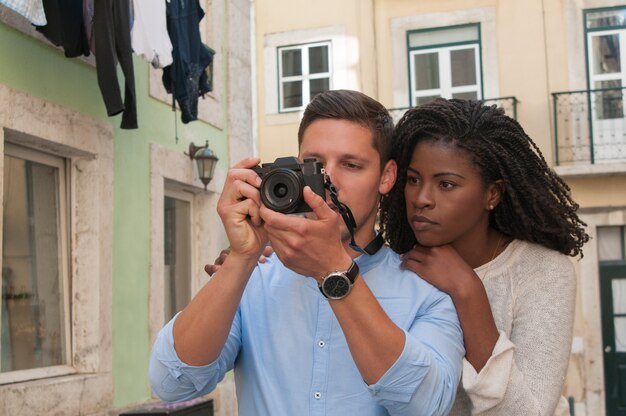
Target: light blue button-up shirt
291, 357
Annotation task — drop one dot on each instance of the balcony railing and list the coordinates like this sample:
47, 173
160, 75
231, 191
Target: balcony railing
590, 126
508, 104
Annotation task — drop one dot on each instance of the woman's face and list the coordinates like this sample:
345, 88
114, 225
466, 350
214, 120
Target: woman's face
446, 200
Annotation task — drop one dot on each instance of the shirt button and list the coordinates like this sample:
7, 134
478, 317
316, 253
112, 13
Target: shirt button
317, 395
321, 344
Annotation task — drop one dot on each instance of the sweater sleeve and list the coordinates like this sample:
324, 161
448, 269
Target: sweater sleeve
526, 371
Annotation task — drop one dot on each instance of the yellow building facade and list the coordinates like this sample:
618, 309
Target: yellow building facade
558, 67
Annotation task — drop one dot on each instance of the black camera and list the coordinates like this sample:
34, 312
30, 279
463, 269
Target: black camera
283, 181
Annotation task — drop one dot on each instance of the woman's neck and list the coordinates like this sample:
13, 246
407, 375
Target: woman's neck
482, 249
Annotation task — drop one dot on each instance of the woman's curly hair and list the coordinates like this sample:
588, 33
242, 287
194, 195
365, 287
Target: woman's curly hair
536, 204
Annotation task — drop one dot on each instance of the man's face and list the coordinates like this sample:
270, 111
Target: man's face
353, 164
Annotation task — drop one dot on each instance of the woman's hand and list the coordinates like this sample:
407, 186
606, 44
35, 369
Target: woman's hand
440, 266
212, 268
447, 271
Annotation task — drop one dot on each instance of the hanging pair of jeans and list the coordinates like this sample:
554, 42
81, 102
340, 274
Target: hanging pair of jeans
186, 78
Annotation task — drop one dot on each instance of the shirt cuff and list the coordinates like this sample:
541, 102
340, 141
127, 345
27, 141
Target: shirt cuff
401, 380
487, 388
166, 355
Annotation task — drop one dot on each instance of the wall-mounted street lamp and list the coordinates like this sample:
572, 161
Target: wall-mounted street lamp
206, 160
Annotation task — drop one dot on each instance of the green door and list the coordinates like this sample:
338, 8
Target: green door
613, 299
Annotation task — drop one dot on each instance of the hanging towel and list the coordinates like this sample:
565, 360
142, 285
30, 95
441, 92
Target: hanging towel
149, 34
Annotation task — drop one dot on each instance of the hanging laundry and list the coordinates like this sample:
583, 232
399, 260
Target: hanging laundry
65, 26
186, 78
30, 9
149, 33
88, 22
111, 32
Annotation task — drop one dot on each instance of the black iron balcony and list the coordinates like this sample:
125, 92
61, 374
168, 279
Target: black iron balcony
508, 104
589, 127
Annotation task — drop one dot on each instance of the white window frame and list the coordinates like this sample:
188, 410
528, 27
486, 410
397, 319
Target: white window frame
86, 144
344, 58
486, 16
58, 370
445, 89
306, 76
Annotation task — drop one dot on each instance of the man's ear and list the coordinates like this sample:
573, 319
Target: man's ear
388, 178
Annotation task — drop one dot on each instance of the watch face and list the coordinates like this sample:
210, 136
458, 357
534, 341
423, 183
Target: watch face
336, 286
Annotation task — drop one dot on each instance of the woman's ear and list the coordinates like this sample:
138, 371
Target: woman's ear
388, 178
494, 194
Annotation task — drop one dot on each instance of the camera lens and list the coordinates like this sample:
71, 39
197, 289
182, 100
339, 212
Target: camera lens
281, 190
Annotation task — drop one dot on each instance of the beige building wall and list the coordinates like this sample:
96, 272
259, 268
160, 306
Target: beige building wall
529, 50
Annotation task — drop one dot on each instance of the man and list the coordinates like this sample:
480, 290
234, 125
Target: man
383, 342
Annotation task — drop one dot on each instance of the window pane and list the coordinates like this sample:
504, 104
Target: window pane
33, 313
292, 62
292, 94
606, 54
444, 36
318, 60
424, 100
318, 85
620, 334
610, 243
463, 62
608, 104
606, 18
619, 295
426, 71
472, 95
177, 242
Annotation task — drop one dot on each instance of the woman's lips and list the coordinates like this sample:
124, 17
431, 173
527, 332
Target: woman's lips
420, 223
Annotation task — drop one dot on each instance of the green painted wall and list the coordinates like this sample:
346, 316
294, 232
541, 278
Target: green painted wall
39, 69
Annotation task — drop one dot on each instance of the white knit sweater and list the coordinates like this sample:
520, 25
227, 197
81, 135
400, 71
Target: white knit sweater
532, 293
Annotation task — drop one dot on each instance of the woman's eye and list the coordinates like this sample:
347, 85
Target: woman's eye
412, 180
447, 185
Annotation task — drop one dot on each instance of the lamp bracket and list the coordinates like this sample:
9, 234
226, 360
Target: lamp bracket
193, 149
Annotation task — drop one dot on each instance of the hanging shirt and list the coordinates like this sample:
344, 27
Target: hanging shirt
30, 9
149, 35
65, 26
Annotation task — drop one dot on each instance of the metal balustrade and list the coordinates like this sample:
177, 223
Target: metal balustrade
589, 126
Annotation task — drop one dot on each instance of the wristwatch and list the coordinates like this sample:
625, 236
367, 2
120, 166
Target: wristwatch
336, 285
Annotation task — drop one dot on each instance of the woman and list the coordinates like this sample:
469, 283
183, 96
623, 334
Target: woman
477, 212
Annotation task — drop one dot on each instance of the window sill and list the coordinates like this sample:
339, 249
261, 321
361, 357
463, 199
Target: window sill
283, 118
82, 394
577, 171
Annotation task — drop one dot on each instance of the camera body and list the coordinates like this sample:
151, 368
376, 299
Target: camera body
283, 182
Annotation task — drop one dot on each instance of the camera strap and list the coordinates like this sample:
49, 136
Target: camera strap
348, 218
